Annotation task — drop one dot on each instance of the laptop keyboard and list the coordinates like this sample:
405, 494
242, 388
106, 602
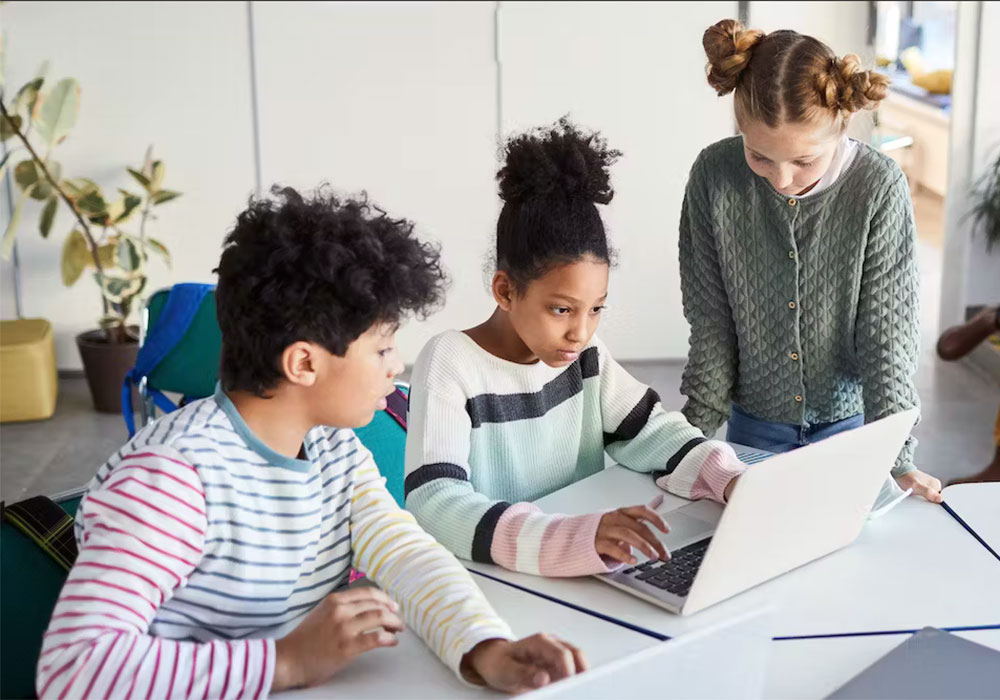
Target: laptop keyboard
675, 575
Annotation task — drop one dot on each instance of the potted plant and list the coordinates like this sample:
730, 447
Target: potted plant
32, 125
986, 205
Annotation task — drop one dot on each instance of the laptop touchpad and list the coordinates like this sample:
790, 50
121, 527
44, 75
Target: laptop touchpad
689, 524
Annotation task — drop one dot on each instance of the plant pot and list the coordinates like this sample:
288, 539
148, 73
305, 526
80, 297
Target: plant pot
106, 365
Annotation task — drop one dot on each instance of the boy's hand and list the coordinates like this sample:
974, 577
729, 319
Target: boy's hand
337, 631
517, 667
923, 485
622, 529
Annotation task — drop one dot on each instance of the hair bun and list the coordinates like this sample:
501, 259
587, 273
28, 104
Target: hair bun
728, 45
848, 87
558, 160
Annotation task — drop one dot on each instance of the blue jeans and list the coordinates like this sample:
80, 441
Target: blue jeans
745, 429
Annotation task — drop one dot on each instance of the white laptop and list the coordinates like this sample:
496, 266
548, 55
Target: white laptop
683, 667
784, 512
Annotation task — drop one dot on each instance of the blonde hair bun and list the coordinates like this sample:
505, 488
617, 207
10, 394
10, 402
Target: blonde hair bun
729, 46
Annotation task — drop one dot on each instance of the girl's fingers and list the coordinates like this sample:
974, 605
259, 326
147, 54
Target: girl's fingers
628, 536
648, 514
615, 552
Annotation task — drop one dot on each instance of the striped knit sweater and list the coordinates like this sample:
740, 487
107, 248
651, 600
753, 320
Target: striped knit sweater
199, 546
487, 435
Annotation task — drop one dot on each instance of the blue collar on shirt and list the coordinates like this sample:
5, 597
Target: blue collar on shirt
273, 458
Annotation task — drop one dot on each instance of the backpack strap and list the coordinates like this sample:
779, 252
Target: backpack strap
47, 525
179, 311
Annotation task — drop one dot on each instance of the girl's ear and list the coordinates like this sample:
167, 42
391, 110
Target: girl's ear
503, 289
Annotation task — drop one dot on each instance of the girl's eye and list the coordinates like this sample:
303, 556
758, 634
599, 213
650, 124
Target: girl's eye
597, 309
384, 352
759, 159
560, 310
804, 164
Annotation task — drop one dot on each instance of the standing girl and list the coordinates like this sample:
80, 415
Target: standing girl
797, 255
530, 401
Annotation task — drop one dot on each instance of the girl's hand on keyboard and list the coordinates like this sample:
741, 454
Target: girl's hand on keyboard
622, 529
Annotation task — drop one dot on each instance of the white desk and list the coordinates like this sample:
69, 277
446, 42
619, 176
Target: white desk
411, 670
979, 506
914, 567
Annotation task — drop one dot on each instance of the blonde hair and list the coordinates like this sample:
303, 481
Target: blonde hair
785, 76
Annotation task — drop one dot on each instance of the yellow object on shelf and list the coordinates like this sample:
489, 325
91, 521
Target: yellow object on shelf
28, 381
938, 82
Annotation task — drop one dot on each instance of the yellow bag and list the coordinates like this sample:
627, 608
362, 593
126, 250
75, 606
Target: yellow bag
28, 381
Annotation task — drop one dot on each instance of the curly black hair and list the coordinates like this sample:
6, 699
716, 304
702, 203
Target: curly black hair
320, 269
551, 180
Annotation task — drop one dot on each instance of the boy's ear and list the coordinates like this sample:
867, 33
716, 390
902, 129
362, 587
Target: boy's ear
503, 289
298, 363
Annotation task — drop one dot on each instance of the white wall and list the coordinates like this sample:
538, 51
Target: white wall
174, 74
402, 99
398, 99
843, 26
635, 72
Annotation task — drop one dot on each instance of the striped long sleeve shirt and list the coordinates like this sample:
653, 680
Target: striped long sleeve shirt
199, 546
487, 435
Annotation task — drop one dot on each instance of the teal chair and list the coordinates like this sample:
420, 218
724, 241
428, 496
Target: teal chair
385, 436
184, 360
30, 581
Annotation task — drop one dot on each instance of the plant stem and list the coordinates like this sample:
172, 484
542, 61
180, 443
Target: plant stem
55, 185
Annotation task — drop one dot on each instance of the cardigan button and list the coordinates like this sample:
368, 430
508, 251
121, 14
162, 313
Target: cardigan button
798, 398
791, 305
791, 255
792, 202
794, 356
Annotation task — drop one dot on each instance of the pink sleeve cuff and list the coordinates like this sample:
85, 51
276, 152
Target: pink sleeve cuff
705, 472
532, 542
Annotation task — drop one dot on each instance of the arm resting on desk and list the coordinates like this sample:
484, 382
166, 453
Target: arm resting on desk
641, 435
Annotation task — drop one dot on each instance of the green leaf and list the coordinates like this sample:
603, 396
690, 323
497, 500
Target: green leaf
10, 235
161, 250
78, 187
128, 255
59, 111
164, 196
29, 173
159, 170
108, 254
92, 203
26, 174
140, 178
75, 257
147, 163
48, 216
117, 288
10, 126
130, 203
26, 97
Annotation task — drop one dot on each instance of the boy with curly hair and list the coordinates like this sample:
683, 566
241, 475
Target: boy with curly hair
215, 547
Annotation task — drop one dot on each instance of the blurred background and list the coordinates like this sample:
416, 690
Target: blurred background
409, 101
